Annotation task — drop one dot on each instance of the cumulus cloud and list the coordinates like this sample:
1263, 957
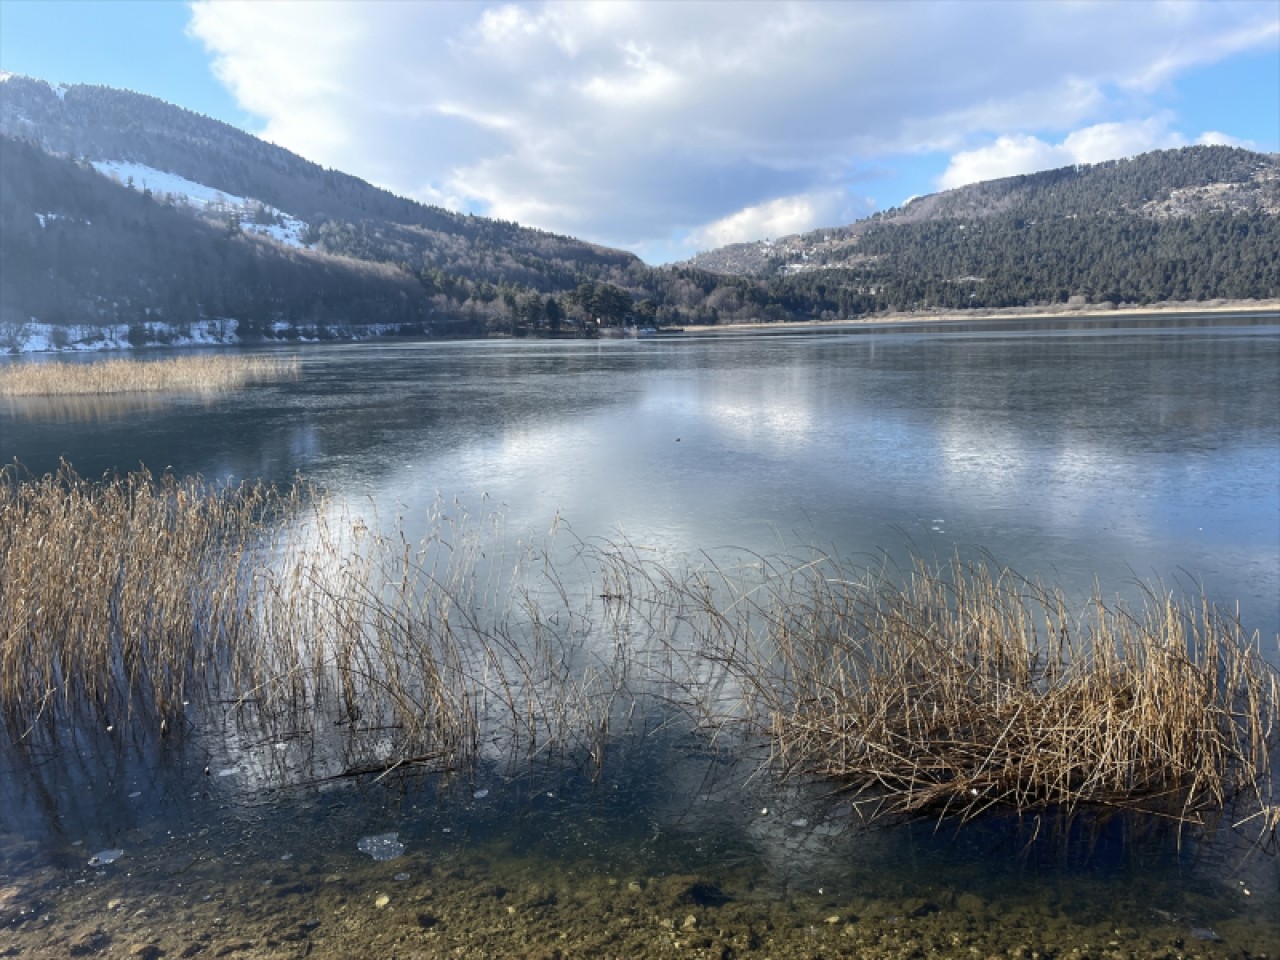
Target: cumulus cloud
623, 122
1219, 139
1021, 153
775, 218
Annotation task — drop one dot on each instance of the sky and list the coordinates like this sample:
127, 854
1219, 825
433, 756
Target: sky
671, 127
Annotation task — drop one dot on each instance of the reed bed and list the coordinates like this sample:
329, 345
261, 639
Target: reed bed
947, 693
123, 376
116, 594
968, 689
132, 599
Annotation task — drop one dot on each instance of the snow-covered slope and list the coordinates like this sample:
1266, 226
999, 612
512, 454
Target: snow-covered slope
163, 185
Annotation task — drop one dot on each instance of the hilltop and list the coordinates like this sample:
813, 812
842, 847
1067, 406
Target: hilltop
1195, 223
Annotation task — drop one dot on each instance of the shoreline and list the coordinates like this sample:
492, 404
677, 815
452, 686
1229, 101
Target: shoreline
1056, 312
40, 338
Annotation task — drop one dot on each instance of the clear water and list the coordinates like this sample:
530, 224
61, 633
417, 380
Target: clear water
1116, 452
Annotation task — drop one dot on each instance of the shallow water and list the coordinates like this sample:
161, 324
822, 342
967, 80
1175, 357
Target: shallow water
1121, 454
552, 861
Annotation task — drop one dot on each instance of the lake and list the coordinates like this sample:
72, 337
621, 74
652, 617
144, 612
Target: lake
1121, 453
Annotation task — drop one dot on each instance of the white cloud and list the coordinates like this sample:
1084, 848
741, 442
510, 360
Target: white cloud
774, 218
624, 122
1015, 154
1220, 139
1193, 48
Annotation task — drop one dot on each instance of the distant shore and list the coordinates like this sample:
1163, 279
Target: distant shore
1054, 312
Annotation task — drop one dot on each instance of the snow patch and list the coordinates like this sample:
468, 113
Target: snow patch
289, 231
178, 189
44, 218
37, 337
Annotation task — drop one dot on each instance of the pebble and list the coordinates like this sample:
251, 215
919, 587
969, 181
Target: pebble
382, 901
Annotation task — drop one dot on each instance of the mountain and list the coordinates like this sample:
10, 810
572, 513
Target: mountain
1189, 224
1185, 183
122, 215
80, 249
261, 222
103, 124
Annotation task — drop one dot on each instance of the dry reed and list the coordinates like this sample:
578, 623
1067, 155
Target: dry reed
116, 376
129, 599
114, 593
970, 689
958, 691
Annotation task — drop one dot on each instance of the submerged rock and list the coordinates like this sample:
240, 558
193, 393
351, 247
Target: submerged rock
703, 893
94, 941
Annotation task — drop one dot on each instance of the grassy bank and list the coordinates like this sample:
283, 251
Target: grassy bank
122, 376
946, 694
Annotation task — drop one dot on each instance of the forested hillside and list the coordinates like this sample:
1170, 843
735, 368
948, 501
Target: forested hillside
1192, 224
99, 123
106, 218
78, 248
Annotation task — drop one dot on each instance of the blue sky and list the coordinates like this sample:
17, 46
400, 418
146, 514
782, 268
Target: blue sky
671, 127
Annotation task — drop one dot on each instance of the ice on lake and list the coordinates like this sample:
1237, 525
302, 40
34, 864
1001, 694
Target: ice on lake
382, 846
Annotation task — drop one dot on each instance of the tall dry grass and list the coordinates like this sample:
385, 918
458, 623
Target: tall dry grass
104, 377
116, 594
948, 693
969, 689
130, 599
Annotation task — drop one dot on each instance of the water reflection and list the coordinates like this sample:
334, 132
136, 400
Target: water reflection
1075, 453
1071, 454
101, 407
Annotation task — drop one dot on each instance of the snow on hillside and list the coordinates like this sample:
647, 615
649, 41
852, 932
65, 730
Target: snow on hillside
288, 230
37, 337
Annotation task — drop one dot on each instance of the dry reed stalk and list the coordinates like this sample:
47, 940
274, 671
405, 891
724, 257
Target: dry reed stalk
941, 697
961, 690
124, 376
115, 593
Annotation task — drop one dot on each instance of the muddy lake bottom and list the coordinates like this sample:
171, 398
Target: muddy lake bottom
566, 868
486, 903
